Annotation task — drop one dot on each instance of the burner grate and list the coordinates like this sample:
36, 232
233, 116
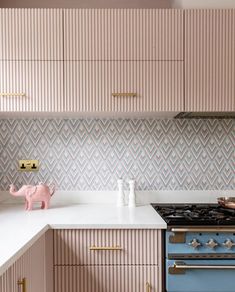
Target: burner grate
195, 214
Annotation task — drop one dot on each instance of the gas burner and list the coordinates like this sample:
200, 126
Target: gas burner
195, 214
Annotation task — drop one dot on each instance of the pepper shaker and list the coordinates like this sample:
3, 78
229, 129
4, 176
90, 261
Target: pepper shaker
121, 195
132, 196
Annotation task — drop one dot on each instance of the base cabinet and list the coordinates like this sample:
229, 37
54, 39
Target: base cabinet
107, 260
28, 272
106, 279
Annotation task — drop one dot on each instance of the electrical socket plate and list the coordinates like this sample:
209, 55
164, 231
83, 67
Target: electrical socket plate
28, 165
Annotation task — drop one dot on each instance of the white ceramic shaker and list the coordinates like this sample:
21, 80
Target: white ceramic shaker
121, 195
132, 197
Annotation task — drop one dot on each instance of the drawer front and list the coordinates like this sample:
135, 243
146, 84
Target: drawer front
205, 279
137, 247
107, 278
31, 34
123, 34
31, 86
157, 86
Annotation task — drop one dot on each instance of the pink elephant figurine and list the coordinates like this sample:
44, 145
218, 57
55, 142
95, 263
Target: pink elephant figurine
38, 193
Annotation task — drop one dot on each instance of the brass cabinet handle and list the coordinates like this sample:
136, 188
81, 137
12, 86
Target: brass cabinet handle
22, 283
179, 268
12, 94
105, 247
118, 94
148, 287
207, 229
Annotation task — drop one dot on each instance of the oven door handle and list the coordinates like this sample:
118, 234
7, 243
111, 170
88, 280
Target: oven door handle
179, 268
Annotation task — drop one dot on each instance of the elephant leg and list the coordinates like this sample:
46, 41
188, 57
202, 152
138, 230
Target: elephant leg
46, 205
30, 205
43, 205
26, 205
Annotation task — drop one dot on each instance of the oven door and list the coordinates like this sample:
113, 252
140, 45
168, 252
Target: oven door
200, 276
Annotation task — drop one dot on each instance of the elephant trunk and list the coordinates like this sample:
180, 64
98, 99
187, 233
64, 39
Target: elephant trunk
19, 193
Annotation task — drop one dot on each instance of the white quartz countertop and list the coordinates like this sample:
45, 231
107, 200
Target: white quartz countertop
19, 229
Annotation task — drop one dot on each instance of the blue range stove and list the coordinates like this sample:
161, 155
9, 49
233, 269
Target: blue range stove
199, 248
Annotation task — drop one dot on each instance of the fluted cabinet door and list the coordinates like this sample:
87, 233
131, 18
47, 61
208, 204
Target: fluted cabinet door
31, 86
137, 247
31, 266
123, 34
31, 34
210, 60
107, 279
90, 85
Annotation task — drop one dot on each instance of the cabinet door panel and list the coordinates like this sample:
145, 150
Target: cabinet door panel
41, 82
31, 34
107, 278
123, 34
89, 86
138, 247
209, 60
31, 266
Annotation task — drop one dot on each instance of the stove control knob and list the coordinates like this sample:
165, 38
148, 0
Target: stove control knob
195, 243
229, 243
212, 243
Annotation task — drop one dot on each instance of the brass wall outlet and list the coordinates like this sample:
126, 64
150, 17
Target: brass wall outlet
28, 165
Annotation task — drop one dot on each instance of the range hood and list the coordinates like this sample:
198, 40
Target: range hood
205, 115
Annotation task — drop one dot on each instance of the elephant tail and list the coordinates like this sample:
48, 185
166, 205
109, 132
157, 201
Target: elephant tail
52, 190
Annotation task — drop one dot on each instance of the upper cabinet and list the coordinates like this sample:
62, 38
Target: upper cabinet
123, 34
210, 60
110, 87
31, 86
31, 34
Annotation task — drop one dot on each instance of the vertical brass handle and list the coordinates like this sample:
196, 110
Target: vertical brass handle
148, 287
23, 284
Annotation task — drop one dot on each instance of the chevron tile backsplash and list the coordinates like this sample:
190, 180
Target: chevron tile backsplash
92, 154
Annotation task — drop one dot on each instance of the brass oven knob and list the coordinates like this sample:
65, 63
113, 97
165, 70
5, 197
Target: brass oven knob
212, 243
229, 243
195, 243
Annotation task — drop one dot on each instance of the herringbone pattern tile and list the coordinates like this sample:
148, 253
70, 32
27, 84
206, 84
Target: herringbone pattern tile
93, 154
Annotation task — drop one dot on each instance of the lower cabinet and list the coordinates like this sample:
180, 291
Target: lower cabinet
27, 274
107, 260
106, 279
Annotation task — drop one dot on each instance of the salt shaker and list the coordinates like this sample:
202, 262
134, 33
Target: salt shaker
132, 202
121, 195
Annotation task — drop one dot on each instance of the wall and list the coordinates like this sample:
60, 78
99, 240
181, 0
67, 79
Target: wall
93, 154
118, 3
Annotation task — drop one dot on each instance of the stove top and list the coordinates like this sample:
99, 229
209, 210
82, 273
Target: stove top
195, 214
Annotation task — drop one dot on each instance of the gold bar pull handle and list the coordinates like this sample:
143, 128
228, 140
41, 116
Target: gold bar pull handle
148, 287
123, 94
22, 283
96, 248
12, 94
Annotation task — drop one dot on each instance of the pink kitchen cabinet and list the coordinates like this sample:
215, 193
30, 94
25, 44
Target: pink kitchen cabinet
31, 266
142, 87
31, 86
31, 34
123, 34
107, 279
209, 60
102, 260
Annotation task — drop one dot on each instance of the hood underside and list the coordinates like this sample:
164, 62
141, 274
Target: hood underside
206, 115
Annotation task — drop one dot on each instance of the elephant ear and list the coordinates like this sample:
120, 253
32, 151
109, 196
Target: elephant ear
31, 191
